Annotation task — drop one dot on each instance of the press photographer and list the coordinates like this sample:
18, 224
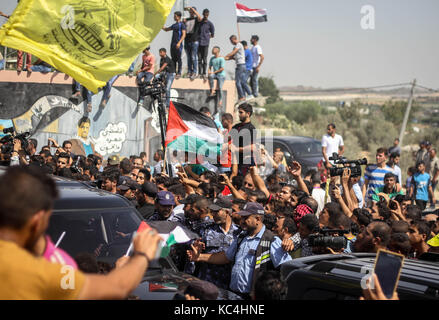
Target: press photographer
17, 148
389, 189
340, 163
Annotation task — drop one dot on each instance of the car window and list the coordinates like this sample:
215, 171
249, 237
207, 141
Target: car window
282, 147
105, 234
306, 148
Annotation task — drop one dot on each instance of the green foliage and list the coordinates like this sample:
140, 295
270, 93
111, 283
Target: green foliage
300, 112
394, 111
267, 88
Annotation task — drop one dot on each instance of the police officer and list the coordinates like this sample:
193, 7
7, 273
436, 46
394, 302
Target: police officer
254, 251
216, 238
164, 205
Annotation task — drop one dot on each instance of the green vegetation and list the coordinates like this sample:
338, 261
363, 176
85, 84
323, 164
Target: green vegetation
363, 127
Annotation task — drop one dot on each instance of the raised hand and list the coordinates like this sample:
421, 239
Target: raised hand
295, 169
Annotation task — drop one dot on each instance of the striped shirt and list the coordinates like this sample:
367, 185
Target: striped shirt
375, 176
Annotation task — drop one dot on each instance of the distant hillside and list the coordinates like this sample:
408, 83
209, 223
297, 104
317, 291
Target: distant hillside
318, 90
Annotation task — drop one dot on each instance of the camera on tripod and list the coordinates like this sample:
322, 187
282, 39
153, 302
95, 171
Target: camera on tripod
8, 140
325, 238
153, 88
341, 163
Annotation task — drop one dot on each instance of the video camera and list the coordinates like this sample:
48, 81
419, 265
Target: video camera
325, 238
8, 140
154, 88
341, 163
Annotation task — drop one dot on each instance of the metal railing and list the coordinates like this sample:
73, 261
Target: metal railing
10, 59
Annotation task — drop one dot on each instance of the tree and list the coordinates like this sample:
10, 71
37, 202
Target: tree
268, 88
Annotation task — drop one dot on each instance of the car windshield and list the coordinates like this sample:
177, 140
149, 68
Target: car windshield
106, 234
306, 148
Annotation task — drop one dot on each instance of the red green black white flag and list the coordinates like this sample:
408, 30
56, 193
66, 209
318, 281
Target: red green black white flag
191, 131
247, 15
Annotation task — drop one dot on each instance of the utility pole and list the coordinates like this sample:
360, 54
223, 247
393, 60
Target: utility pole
407, 113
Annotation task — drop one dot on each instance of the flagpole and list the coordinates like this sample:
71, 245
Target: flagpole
237, 24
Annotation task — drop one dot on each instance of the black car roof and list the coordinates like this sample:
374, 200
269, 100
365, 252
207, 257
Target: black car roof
290, 139
78, 195
416, 275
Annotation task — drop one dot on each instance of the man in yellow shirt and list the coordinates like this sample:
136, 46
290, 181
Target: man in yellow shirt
27, 197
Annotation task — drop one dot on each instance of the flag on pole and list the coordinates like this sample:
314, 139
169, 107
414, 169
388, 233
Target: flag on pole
90, 40
247, 15
191, 131
172, 233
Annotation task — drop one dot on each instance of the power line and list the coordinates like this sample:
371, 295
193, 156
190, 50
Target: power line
426, 88
356, 89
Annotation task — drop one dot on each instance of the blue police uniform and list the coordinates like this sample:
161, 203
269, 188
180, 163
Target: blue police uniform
217, 240
245, 260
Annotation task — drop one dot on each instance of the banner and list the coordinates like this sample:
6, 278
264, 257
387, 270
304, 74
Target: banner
90, 40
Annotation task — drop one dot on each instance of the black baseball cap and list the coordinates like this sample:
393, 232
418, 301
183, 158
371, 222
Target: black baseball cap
190, 199
252, 208
150, 189
220, 203
128, 184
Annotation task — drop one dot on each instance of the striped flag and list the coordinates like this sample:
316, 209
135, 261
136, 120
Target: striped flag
191, 131
247, 15
171, 233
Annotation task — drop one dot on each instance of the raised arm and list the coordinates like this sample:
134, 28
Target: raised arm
259, 182
296, 172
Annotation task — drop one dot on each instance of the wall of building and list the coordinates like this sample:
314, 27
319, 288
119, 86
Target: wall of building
41, 104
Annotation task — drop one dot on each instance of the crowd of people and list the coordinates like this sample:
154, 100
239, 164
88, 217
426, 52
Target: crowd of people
255, 210
192, 34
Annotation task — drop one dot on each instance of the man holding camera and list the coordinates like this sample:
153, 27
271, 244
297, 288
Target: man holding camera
388, 189
331, 143
374, 175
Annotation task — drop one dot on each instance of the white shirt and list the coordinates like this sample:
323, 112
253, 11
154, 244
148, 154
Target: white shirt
397, 172
256, 52
319, 195
332, 144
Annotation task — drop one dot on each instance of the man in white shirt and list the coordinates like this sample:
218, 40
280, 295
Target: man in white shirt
258, 58
318, 193
331, 143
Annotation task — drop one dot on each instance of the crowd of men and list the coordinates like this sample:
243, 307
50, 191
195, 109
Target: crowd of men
252, 212
193, 34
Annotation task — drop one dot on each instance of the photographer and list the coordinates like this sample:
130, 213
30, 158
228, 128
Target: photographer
389, 188
166, 73
21, 152
352, 194
341, 222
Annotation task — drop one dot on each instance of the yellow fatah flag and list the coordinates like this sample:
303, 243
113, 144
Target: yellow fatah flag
90, 40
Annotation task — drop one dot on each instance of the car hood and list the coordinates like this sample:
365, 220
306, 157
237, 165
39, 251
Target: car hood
165, 284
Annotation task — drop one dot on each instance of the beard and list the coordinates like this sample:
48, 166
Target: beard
363, 246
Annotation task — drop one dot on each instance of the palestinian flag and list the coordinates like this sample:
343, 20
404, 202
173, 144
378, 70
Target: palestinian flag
172, 233
191, 131
247, 15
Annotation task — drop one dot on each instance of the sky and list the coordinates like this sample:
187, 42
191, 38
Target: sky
321, 43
